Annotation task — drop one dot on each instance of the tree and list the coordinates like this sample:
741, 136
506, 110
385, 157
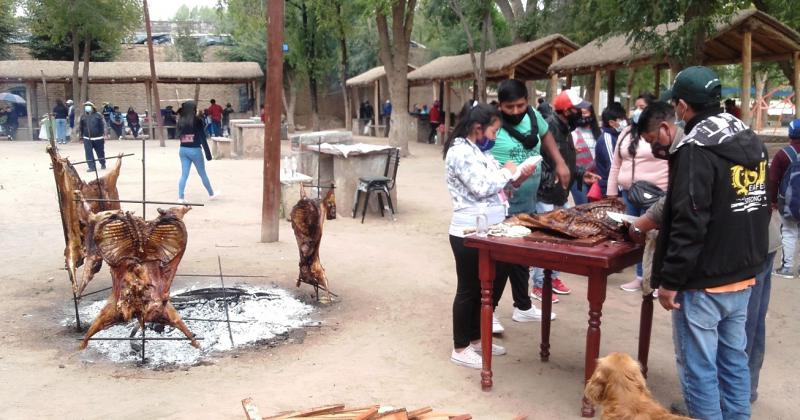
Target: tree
483, 10
8, 26
42, 47
188, 46
339, 17
394, 47
84, 21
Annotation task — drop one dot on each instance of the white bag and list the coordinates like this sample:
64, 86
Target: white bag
43, 132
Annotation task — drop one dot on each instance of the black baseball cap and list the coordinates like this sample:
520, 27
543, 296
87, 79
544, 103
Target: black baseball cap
697, 85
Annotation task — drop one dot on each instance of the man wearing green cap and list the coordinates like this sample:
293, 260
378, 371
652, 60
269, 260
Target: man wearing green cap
712, 243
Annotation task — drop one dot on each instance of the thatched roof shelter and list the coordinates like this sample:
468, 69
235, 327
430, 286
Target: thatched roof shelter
771, 41
528, 61
132, 72
370, 76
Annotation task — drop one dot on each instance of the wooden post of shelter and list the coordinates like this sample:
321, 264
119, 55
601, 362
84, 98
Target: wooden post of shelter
197, 94
612, 90
629, 88
148, 88
568, 83
747, 44
657, 87
435, 89
377, 104
553, 77
156, 110
29, 107
257, 100
271, 195
796, 60
446, 109
598, 80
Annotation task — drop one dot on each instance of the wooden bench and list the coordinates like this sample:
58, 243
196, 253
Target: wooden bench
221, 147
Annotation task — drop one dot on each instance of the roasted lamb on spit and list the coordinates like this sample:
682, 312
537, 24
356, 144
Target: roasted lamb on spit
584, 221
144, 257
75, 217
307, 218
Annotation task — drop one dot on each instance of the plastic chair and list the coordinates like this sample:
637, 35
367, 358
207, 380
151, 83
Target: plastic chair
379, 185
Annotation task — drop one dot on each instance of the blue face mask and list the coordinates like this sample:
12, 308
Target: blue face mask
485, 145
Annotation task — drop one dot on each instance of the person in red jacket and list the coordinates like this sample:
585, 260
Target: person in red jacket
435, 116
215, 112
789, 226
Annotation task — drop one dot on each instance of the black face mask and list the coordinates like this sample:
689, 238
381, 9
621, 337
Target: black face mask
574, 121
513, 119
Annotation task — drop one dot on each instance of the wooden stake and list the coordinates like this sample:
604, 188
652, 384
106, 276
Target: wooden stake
747, 55
271, 197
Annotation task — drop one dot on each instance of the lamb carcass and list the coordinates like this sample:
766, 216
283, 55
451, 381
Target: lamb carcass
75, 216
584, 221
307, 218
144, 257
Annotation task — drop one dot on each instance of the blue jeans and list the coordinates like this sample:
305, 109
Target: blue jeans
215, 128
633, 211
61, 130
579, 197
92, 146
709, 336
538, 273
189, 156
755, 328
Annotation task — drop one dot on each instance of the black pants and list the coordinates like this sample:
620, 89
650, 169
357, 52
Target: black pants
171, 132
99, 147
117, 130
467, 303
434, 127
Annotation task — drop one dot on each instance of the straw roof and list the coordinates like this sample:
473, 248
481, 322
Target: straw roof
529, 61
370, 76
132, 72
772, 40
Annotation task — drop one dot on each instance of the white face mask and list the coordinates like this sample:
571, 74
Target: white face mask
87, 109
622, 125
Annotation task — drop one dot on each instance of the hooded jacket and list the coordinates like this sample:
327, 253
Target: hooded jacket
716, 213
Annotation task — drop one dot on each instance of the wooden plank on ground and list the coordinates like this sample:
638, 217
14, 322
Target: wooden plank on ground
308, 413
250, 409
418, 412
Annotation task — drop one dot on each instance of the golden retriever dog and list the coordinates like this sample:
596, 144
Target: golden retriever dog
619, 387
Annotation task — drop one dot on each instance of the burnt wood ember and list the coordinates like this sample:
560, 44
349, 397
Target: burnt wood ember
307, 218
584, 221
144, 257
76, 216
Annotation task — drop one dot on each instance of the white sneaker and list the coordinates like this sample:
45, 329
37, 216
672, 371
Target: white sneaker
497, 327
215, 196
467, 358
531, 315
497, 350
182, 200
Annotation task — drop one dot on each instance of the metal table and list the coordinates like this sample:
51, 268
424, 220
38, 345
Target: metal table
595, 262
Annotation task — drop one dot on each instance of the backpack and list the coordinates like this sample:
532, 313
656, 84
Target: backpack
789, 190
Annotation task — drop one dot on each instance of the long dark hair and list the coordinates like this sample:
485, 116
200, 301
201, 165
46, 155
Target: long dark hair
471, 113
635, 131
593, 125
187, 115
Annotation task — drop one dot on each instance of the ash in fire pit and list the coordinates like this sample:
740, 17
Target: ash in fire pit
257, 316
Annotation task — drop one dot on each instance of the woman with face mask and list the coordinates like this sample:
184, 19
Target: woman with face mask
584, 137
478, 185
634, 161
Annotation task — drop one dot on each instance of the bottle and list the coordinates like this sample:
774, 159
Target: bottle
482, 222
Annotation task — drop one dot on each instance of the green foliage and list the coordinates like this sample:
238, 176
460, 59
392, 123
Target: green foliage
438, 27
8, 26
43, 47
245, 21
187, 46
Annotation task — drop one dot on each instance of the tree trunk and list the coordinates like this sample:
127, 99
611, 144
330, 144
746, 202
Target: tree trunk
77, 105
760, 111
311, 55
696, 9
348, 117
394, 56
289, 103
87, 48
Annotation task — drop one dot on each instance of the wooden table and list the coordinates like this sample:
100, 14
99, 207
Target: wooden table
595, 262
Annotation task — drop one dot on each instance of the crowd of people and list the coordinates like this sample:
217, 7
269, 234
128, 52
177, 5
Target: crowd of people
692, 174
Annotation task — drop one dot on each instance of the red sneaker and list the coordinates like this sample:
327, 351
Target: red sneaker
560, 288
537, 294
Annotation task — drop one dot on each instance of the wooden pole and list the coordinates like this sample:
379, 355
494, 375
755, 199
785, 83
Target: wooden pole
148, 86
29, 108
154, 80
568, 83
377, 104
553, 77
257, 98
796, 59
271, 197
435, 89
197, 95
629, 88
598, 81
657, 87
747, 44
612, 89
446, 110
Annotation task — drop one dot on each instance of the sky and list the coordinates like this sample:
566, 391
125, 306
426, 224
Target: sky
165, 9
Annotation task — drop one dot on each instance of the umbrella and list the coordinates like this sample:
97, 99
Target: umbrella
10, 97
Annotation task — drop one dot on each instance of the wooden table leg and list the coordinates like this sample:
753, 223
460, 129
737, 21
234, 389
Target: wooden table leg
645, 328
547, 308
486, 272
596, 296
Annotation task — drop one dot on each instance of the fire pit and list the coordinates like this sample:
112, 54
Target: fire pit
253, 316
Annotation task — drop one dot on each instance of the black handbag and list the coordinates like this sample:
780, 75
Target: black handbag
643, 194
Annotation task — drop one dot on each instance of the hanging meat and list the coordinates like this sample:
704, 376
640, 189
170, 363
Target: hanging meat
307, 218
74, 217
144, 257
584, 221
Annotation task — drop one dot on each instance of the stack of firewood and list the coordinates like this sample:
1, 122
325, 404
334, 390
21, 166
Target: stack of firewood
340, 412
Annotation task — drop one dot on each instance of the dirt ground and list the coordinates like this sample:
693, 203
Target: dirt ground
387, 340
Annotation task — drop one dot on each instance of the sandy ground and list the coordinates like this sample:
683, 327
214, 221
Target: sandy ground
387, 340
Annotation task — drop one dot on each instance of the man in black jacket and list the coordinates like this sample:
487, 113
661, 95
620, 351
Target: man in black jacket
93, 132
712, 242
